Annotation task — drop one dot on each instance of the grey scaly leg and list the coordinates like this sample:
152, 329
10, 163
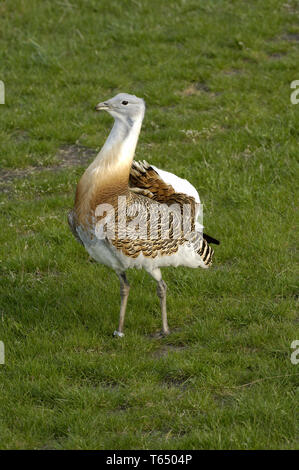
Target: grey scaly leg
124, 294
161, 291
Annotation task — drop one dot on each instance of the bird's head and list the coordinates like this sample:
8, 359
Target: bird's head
128, 108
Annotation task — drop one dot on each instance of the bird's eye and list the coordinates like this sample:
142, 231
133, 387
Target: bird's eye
124, 102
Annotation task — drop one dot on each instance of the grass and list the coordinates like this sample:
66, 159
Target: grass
216, 79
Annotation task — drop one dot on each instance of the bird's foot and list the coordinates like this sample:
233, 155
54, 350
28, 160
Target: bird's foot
118, 333
161, 334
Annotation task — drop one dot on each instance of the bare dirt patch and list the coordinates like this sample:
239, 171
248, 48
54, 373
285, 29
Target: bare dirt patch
291, 37
277, 56
232, 71
68, 156
179, 380
195, 88
75, 155
168, 348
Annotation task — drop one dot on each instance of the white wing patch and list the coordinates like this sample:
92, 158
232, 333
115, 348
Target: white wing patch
178, 184
182, 186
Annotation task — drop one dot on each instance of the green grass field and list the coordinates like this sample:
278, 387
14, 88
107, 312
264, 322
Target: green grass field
216, 77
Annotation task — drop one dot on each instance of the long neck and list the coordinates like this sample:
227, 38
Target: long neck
118, 151
108, 175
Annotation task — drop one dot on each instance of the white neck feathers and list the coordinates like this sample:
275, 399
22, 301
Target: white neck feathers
108, 174
119, 148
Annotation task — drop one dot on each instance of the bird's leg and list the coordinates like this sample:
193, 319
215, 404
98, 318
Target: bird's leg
161, 291
124, 294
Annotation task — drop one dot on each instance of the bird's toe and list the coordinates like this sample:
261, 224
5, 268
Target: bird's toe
118, 334
160, 334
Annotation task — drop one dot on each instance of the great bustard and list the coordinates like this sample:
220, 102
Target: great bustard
121, 207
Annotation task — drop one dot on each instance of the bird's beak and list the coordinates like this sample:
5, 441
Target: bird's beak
102, 106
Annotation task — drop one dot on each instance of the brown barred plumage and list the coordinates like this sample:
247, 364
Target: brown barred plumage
160, 236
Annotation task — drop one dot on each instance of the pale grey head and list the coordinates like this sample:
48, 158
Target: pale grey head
125, 107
